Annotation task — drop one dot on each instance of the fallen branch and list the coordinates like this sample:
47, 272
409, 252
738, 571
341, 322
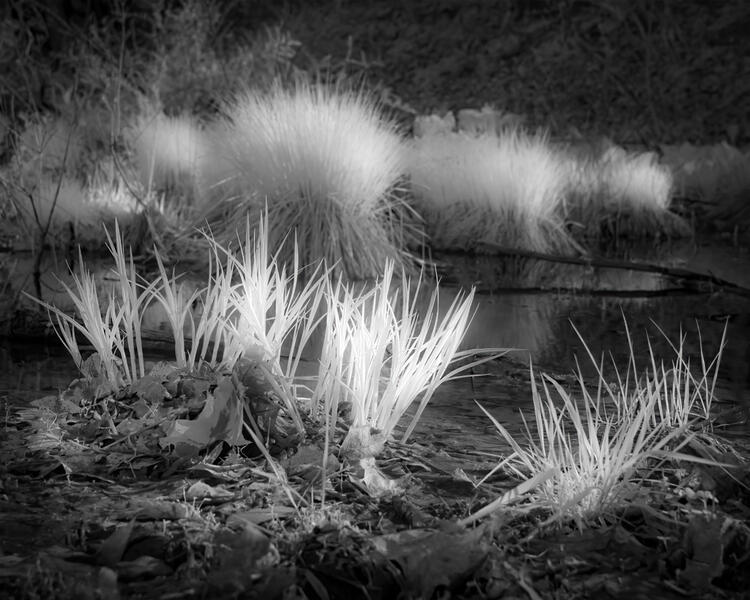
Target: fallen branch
685, 275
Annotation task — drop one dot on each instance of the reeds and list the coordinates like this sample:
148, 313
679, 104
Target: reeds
209, 339
517, 190
272, 310
330, 168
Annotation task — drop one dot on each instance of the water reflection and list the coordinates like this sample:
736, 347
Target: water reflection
520, 303
599, 303
32, 371
523, 322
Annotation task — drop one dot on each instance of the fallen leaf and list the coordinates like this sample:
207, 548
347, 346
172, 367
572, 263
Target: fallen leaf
142, 567
112, 549
377, 484
150, 389
158, 510
429, 559
201, 491
220, 419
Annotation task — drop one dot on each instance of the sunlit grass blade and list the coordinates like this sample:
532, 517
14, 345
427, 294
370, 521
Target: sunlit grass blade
594, 457
211, 330
214, 332
131, 303
426, 349
380, 361
516, 494
270, 308
101, 329
178, 306
66, 332
695, 394
603, 444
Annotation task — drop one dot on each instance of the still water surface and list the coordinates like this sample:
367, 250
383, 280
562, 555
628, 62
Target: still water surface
532, 306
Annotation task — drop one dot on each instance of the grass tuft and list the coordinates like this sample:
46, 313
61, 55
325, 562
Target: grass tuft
115, 333
380, 358
272, 310
507, 190
600, 445
327, 164
619, 193
382, 354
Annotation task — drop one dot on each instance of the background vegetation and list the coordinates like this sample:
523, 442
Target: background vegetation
641, 71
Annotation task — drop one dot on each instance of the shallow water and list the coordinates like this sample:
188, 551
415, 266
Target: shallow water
29, 371
604, 312
531, 306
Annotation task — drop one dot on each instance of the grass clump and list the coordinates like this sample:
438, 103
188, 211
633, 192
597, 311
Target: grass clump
207, 340
683, 399
115, 332
273, 312
168, 153
381, 356
602, 445
101, 87
519, 191
381, 353
507, 190
326, 163
615, 193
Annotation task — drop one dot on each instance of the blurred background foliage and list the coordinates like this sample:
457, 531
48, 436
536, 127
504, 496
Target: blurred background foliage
643, 71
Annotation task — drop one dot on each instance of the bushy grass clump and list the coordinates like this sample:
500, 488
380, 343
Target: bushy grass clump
380, 354
168, 153
173, 59
507, 190
518, 191
113, 331
602, 443
618, 193
326, 163
332, 172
